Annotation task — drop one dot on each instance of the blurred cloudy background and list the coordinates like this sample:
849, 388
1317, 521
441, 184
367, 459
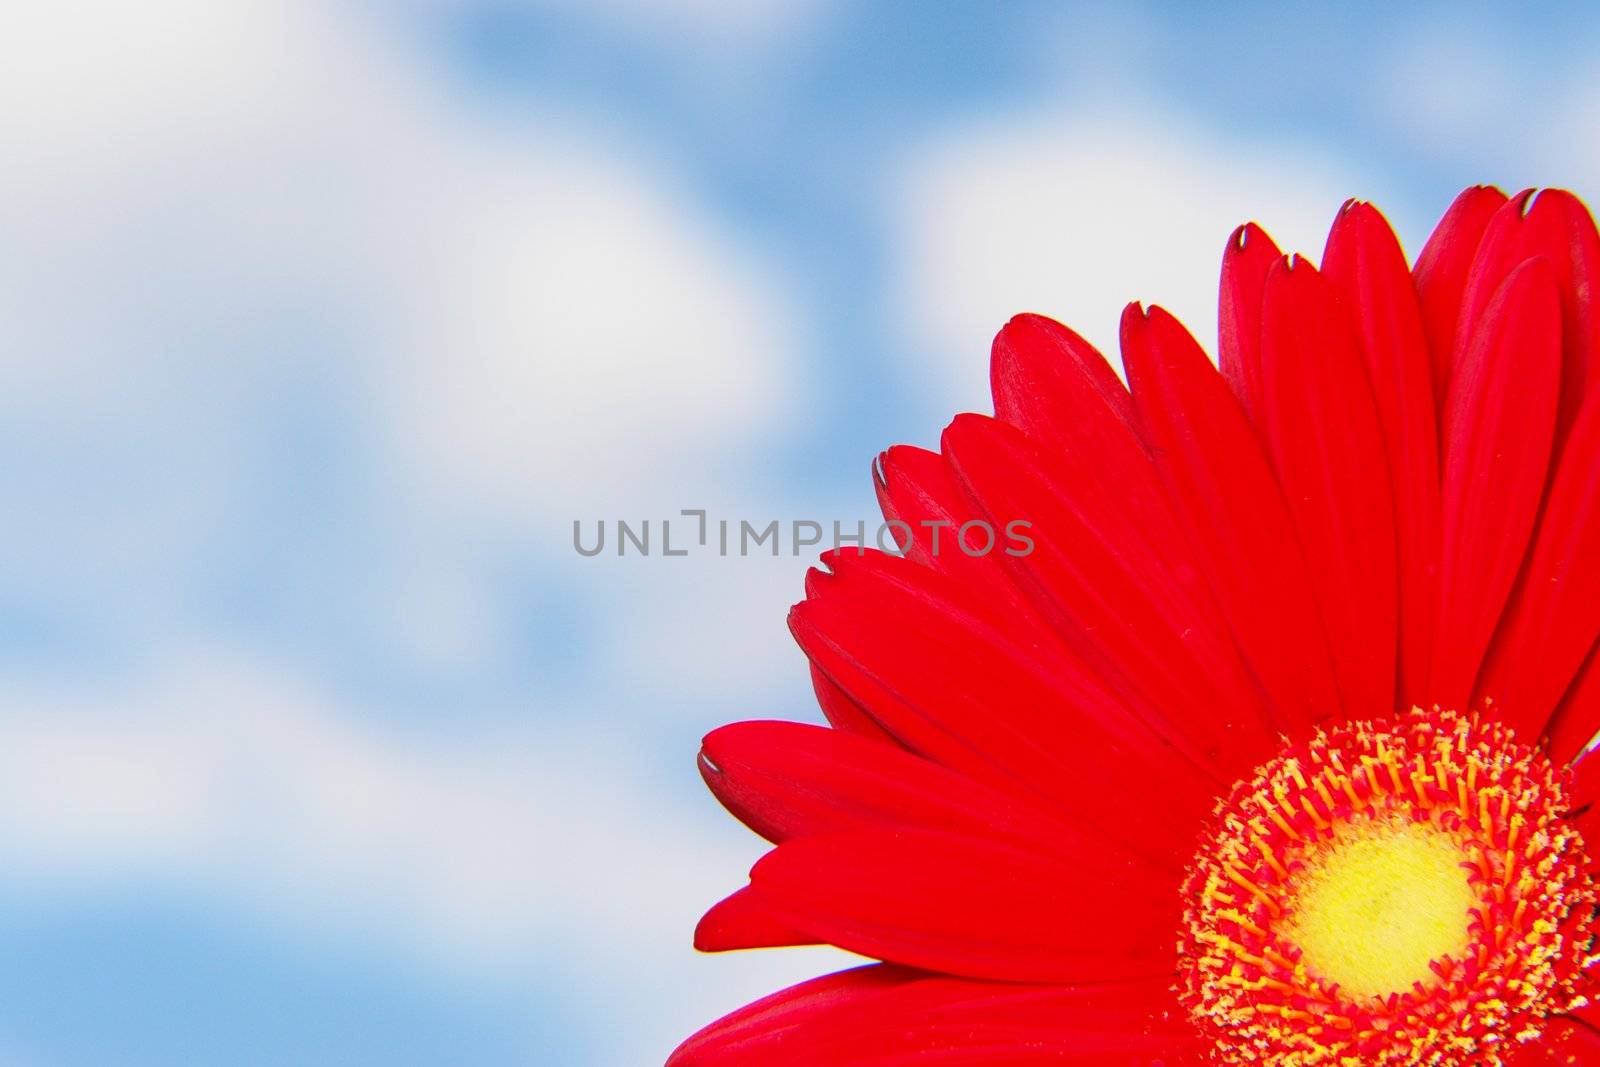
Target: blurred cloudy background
321, 322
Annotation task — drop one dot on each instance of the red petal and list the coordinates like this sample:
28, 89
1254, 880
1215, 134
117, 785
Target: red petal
787, 779
1062, 394
914, 487
1552, 224
1324, 437
757, 1031
959, 1023
1585, 784
1223, 488
1102, 576
1498, 422
741, 921
1245, 264
971, 906
886, 1015
1443, 269
843, 713
957, 682
1057, 388
918, 488
1568, 1041
1577, 718
1366, 267
1585, 812
1553, 618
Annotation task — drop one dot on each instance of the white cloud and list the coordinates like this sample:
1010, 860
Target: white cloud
580, 336
523, 312
710, 627
216, 215
1546, 144
1074, 215
485, 849
1575, 161
1457, 97
718, 22
1447, 87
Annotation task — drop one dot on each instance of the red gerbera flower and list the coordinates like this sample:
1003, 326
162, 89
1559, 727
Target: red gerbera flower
1272, 751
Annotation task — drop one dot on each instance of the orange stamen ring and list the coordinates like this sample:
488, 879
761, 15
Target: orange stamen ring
1389, 893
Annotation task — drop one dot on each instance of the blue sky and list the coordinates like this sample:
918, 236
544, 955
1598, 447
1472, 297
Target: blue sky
322, 323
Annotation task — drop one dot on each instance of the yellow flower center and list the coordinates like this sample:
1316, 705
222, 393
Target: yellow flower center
1392, 894
1378, 903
